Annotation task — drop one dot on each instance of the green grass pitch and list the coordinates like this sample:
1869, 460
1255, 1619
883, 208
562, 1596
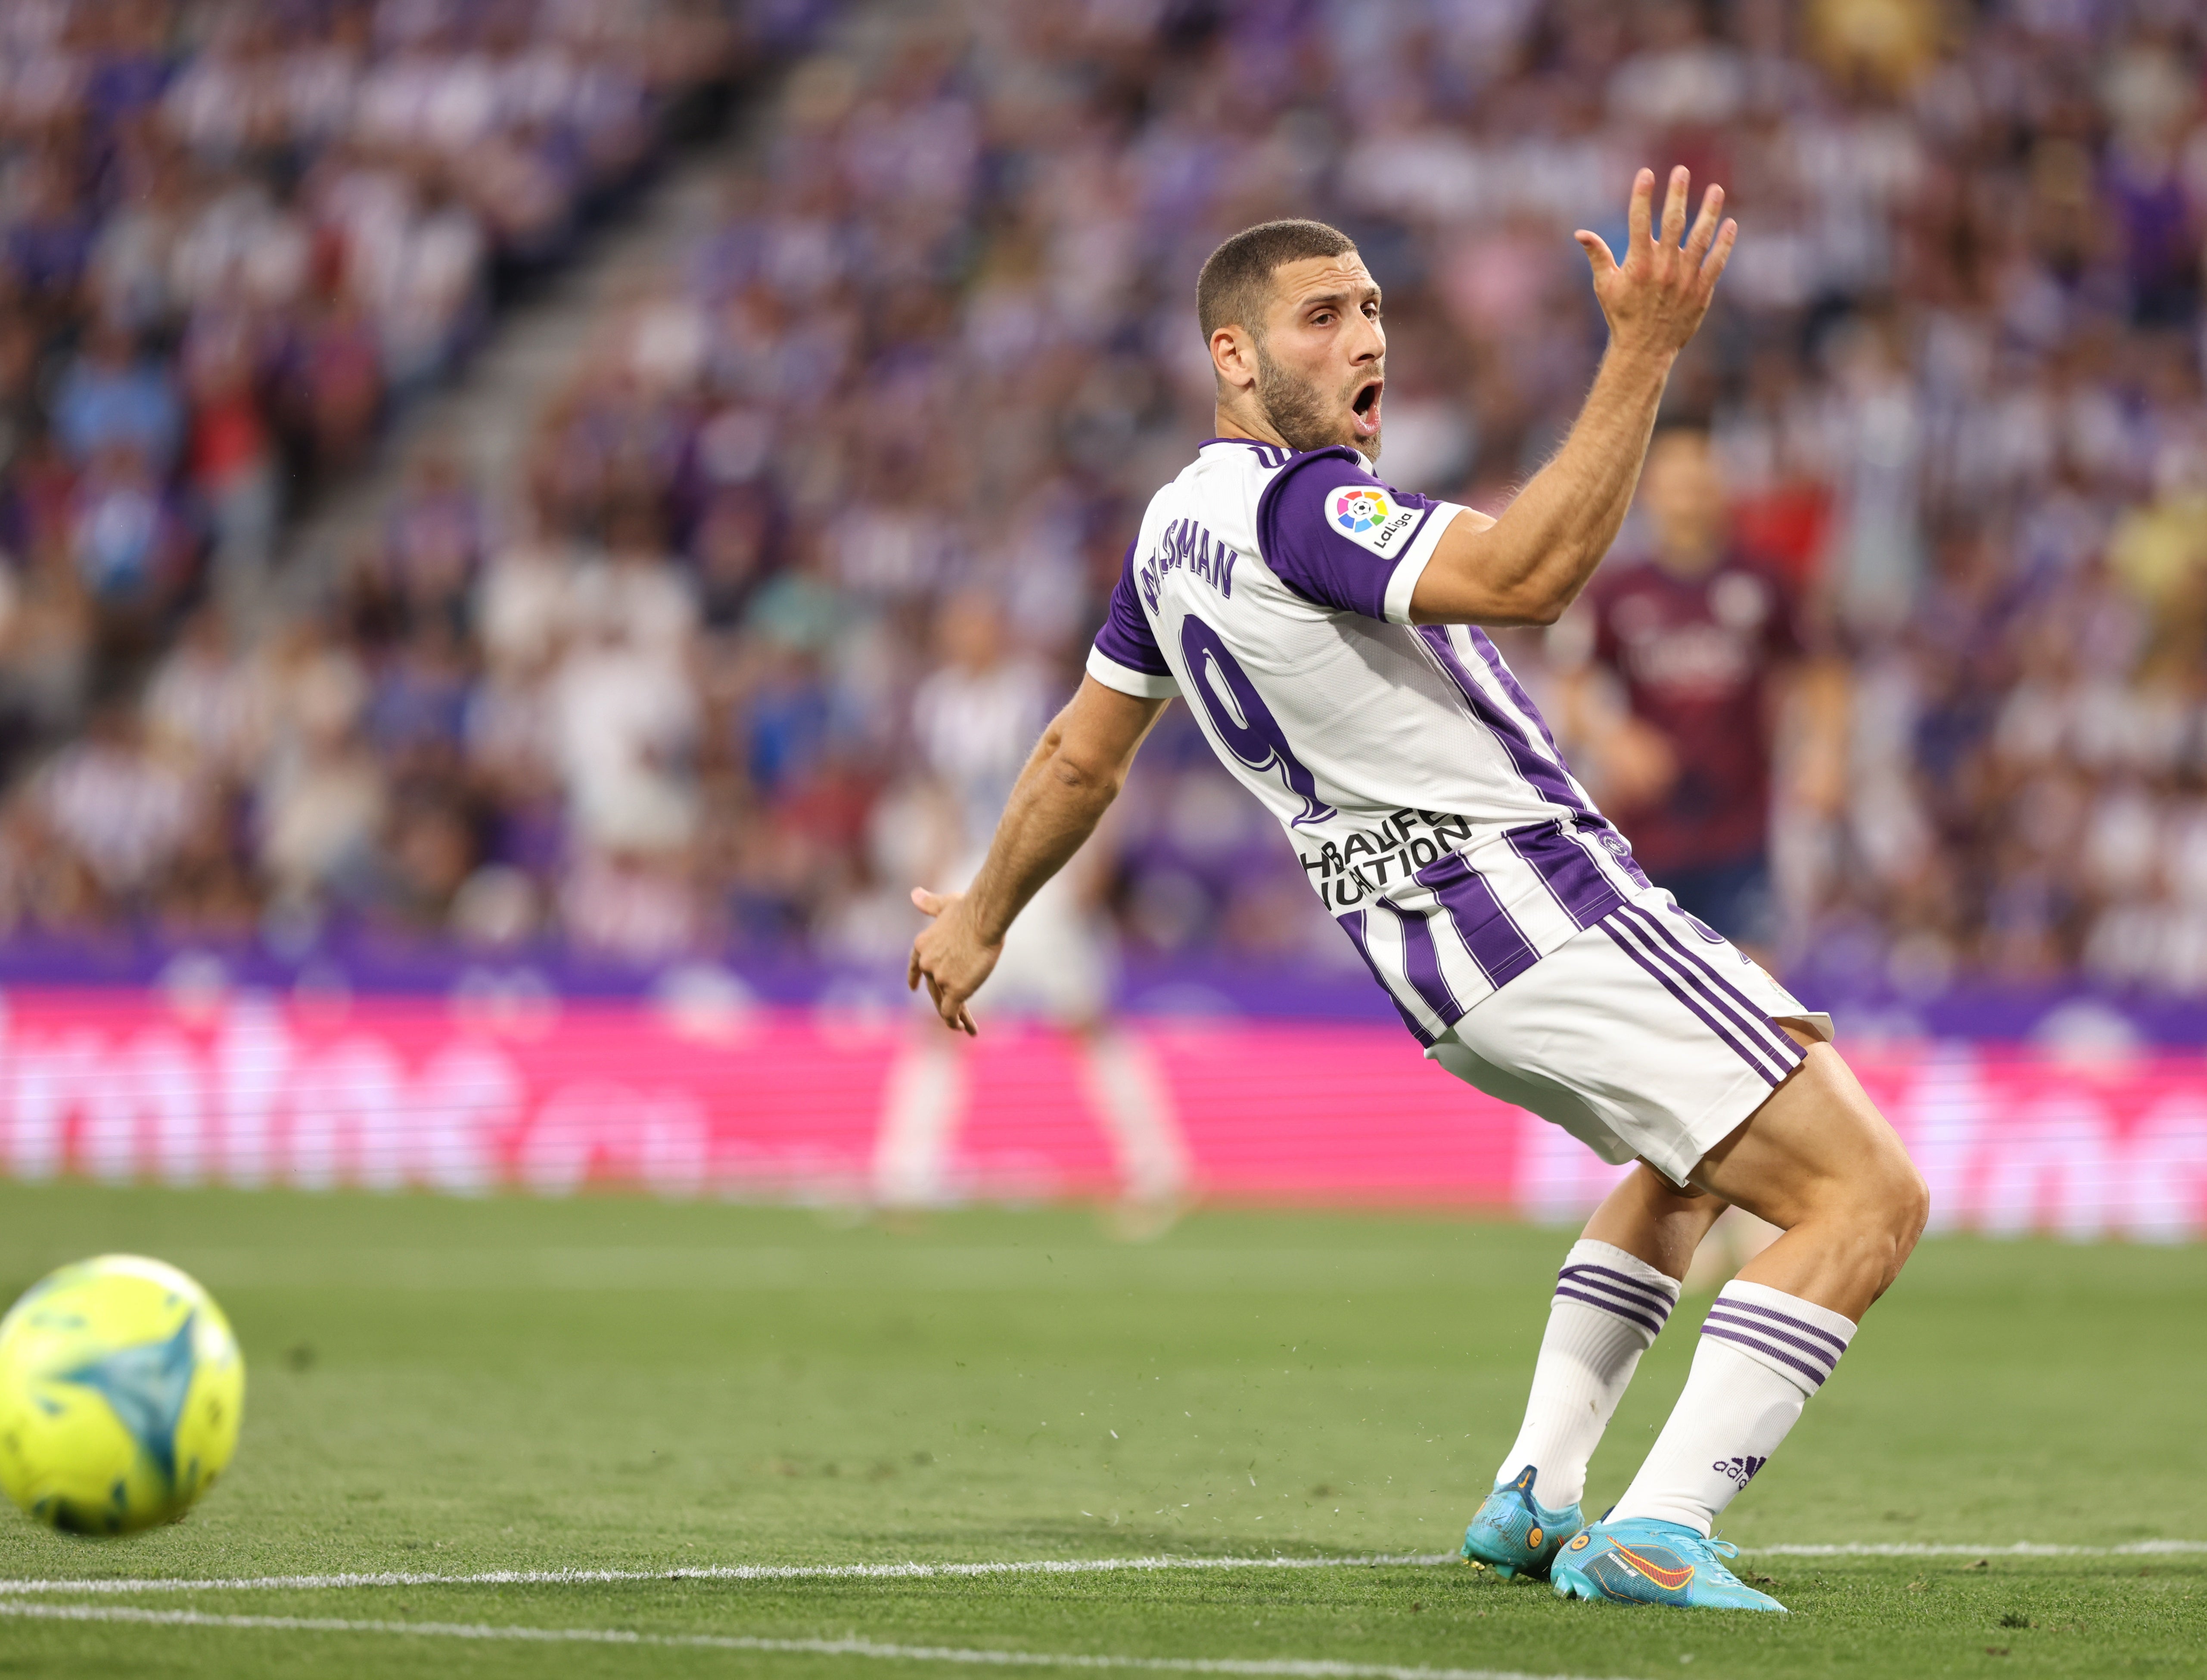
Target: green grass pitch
450, 1387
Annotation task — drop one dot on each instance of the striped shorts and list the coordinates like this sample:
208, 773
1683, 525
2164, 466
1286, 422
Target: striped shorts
1648, 1034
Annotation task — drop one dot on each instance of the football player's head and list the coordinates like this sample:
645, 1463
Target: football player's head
969, 630
1683, 490
1291, 316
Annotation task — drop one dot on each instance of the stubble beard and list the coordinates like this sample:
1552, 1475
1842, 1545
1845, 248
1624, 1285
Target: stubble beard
1299, 414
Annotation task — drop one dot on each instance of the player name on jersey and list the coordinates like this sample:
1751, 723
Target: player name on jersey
1184, 544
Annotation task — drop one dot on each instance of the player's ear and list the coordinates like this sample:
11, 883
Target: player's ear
1234, 358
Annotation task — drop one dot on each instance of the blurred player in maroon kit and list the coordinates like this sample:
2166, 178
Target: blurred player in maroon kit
1707, 647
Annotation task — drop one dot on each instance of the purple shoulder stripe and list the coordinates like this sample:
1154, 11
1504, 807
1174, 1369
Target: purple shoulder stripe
1302, 535
1126, 637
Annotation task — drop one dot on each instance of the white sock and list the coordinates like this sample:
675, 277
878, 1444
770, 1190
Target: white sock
1127, 1090
922, 1105
1608, 1308
1763, 1352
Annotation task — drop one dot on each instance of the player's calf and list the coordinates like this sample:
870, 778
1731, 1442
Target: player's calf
1615, 1292
1820, 1162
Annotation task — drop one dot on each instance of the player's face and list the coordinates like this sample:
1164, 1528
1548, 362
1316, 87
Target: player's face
1686, 497
1322, 358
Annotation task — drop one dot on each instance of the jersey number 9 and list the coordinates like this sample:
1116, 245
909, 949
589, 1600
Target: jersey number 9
1240, 719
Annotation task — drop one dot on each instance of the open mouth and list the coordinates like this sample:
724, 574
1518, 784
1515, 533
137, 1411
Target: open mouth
1364, 408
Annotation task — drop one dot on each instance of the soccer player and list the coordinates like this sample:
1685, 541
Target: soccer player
1706, 642
1707, 647
1322, 626
974, 719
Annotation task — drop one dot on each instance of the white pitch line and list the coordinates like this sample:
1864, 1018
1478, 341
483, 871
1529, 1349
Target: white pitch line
308, 1583
2019, 1549
1298, 1669
111, 1584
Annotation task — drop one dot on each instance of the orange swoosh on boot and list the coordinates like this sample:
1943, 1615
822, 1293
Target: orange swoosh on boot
1669, 1580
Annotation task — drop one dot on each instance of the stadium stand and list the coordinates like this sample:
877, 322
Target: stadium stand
651, 701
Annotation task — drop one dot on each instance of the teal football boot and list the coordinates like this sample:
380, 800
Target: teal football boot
1515, 1534
1638, 1560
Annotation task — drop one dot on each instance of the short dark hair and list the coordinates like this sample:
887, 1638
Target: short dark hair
1236, 281
1686, 421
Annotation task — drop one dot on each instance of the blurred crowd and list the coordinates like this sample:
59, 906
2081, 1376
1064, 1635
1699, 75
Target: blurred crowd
874, 449
234, 238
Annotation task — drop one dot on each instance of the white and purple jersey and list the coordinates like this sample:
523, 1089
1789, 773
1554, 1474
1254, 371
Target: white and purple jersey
1422, 793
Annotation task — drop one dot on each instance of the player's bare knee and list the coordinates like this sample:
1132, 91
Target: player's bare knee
1890, 1203
1909, 1212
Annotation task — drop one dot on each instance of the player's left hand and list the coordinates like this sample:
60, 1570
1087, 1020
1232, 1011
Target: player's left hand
1655, 298
951, 957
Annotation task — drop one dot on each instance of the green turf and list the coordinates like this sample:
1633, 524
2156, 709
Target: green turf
450, 1386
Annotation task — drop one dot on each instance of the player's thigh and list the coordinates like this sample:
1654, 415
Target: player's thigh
1817, 1147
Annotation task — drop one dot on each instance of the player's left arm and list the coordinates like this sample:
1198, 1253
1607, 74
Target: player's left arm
1527, 566
1071, 778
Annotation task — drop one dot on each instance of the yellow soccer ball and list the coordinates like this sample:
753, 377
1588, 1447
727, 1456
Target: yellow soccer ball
120, 1390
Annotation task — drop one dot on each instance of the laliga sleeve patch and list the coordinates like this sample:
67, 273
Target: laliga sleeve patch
1371, 518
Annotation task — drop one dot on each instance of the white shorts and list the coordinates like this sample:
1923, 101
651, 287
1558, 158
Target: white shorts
1649, 1035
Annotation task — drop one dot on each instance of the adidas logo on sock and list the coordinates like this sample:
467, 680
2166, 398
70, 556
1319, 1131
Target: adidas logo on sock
1741, 1470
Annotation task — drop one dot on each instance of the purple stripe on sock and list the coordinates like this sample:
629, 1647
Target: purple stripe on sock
1502, 952
1353, 925
1606, 1293
1732, 1303
1750, 1326
1647, 1317
1624, 943
1422, 961
1610, 1292
1571, 876
1721, 1333
1601, 1277
1788, 1052
1653, 1326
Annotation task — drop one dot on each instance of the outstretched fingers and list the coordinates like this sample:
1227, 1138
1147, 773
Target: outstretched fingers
1674, 206
1599, 256
1719, 253
1705, 226
1639, 215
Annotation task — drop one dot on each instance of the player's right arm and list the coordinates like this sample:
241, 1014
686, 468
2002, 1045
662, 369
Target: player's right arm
1072, 777
1526, 567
